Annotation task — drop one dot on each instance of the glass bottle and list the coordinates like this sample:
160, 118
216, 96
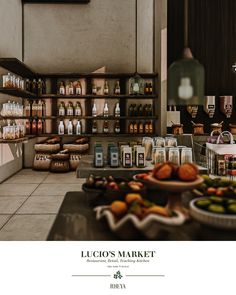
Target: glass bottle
34, 108
40, 108
146, 88
140, 127
43, 87
43, 108
69, 111
135, 127
61, 111
105, 110
117, 88
150, 88
151, 127
106, 88
150, 110
78, 128
34, 86
94, 89
117, 126
27, 85
78, 109
70, 128
78, 89
131, 111
40, 126
27, 127
131, 127
135, 110
40, 87
62, 90
94, 127
61, 128
117, 110
105, 127
146, 128
71, 88
34, 127
94, 110
27, 108
140, 110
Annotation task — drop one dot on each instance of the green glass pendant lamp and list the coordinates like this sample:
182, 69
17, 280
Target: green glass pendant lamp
186, 77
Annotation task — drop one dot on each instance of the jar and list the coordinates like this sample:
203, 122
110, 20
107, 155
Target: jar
177, 129
232, 128
186, 155
159, 155
198, 129
174, 155
216, 127
148, 143
170, 142
159, 141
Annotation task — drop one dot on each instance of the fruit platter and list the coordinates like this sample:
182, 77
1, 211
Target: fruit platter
215, 211
136, 214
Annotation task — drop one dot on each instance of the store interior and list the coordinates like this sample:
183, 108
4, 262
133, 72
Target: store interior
117, 120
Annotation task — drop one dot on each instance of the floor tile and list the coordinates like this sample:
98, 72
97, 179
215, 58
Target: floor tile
56, 189
17, 190
62, 178
9, 205
4, 219
26, 179
41, 205
27, 228
31, 172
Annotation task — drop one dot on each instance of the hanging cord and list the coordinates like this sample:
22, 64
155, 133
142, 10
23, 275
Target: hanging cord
187, 51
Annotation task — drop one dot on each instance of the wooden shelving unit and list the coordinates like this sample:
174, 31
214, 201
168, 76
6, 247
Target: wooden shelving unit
53, 80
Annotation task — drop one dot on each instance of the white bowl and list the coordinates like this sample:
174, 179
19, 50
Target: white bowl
128, 226
222, 221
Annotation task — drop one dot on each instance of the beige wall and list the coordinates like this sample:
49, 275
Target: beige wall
11, 28
83, 38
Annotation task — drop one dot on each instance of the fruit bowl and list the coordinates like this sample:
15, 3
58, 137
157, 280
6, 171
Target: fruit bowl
175, 186
130, 225
217, 220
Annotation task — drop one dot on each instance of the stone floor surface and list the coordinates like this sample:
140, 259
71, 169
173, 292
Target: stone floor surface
30, 201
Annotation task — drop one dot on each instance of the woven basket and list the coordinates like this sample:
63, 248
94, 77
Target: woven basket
47, 148
60, 166
61, 157
42, 161
74, 160
76, 148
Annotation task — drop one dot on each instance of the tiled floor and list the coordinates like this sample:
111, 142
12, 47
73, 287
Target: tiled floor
29, 202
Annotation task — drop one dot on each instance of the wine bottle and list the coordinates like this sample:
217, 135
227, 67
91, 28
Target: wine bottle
78, 128
135, 128
105, 110
106, 88
70, 128
131, 127
94, 127
140, 110
78, 89
117, 110
61, 128
131, 110
117, 88
61, 111
117, 126
105, 127
78, 109
62, 90
94, 110
140, 127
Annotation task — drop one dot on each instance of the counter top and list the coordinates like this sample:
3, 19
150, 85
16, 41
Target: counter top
76, 222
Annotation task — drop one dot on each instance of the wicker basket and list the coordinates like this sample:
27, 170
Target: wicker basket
76, 148
42, 161
47, 148
61, 157
74, 160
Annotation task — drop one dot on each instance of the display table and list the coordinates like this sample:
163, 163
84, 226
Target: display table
76, 222
85, 168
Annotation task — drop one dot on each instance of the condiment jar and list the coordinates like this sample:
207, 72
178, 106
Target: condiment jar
216, 127
198, 128
232, 128
177, 129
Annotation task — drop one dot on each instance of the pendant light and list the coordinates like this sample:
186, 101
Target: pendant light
185, 78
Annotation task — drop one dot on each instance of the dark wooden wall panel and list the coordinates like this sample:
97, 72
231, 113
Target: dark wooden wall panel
212, 38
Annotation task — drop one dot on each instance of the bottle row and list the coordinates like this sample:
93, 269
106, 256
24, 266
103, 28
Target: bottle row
141, 127
36, 109
70, 128
140, 110
12, 108
35, 86
106, 127
35, 127
12, 131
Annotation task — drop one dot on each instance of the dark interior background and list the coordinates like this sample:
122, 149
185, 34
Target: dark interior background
212, 39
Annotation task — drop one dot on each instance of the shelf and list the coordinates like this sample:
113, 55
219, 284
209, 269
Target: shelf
57, 1
14, 140
100, 135
79, 118
17, 92
56, 96
17, 67
98, 75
